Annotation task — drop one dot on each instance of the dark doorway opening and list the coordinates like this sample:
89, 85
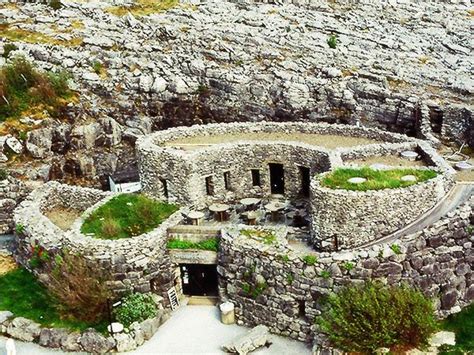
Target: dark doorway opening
305, 177
277, 179
256, 177
199, 280
436, 119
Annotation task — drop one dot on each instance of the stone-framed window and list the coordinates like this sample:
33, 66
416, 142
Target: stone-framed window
164, 183
256, 181
209, 185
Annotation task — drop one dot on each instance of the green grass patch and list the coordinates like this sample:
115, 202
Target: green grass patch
211, 244
143, 7
127, 215
22, 88
462, 324
376, 179
23, 295
265, 236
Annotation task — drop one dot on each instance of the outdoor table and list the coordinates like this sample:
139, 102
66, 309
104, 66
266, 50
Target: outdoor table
249, 201
275, 208
219, 210
195, 217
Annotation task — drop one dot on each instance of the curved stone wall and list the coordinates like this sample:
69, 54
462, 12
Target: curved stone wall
438, 260
347, 219
134, 263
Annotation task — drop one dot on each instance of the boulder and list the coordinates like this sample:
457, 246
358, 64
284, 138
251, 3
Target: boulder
23, 329
71, 342
52, 338
125, 342
94, 342
246, 343
4, 316
149, 327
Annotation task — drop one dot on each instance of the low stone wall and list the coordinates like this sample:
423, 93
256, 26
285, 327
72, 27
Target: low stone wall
439, 261
89, 341
139, 264
347, 219
12, 191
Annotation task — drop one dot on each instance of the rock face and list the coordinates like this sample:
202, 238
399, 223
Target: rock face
221, 62
251, 341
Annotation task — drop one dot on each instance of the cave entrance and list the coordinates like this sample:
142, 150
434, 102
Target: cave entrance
199, 279
277, 178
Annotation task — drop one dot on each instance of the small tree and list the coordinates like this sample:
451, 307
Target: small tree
365, 318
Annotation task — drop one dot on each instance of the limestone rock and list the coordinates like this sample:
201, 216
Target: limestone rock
246, 343
52, 338
4, 316
71, 342
125, 342
94, 342
23, 329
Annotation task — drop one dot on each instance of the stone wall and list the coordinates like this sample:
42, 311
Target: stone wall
138, 264
185, 171
352, 218
439, 261
12, 191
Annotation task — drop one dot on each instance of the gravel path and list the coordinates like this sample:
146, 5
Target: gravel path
191, 330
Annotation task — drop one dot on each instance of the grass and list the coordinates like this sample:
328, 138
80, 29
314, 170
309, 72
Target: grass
143, 7
23, 88
463, 325
23, 295
310, 259
125, 216
20, 35
211, 244
264, 236
376, 179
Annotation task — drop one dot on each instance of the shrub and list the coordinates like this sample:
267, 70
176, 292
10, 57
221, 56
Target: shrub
19, 228
22, 87
348, 266
310, 259
396, 249
365, 318
97, 67
325, 274
135, 308
3, 174
7, 49
332, 41
55, 4
79, 287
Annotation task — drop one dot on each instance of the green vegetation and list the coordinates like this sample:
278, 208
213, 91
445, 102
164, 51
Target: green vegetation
265, 236
55, 4
254, 290
290, 278
125, 216
23, 88
348, 266
7, 48
325, 274
19, 228
463, 325
376, 179
24, 296
364, 318
396, 249
136, 307
310, 259
143, 7
332, 41
97, 67
39, 257
284, 258
3, 174
208, 244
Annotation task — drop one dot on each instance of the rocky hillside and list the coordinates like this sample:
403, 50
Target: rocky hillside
375, 65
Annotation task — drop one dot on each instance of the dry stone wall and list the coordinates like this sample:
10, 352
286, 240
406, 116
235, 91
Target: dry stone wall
439, 261
138, 264
12, 191
352, 218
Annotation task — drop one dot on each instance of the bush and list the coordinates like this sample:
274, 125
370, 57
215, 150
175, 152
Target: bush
365, 318
7, 48
310, 259
135, 308
79, 287
332, 41
3, 174
55, 4
22, 87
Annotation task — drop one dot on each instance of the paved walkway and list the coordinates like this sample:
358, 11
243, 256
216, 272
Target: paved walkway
191, 330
